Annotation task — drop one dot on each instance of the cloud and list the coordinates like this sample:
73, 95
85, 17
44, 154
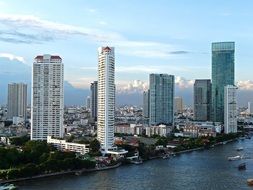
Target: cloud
20, 37
12, 57
183, 83
179, 52
136, 86
147, 49
81, 83
131, 87
31, 29
245, 85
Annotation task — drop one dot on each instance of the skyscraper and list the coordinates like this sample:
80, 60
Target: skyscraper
88, 102
178, 103
47, 97
230, 112
250, 108
146, 104
223, 65
202, 100
17, 100
106, 98
94, 99
161, 106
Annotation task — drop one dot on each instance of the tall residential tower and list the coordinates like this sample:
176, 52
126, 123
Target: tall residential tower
161, 108
17, 100
106, 98
47, 97
223, 73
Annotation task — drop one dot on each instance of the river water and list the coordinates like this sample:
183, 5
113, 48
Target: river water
203, 170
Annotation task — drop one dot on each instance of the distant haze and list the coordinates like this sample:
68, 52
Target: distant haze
16, 71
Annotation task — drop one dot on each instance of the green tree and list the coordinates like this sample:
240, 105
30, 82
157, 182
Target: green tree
19, 141
94, 146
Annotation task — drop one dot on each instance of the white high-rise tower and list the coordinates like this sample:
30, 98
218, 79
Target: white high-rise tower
106, 98
47, 97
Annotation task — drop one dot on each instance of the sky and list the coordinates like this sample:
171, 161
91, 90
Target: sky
162, 36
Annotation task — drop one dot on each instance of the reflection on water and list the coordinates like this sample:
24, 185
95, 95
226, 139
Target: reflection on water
206, 169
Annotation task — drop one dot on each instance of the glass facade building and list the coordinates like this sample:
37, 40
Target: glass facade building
202, 100
223, 69
161, 106
94, 99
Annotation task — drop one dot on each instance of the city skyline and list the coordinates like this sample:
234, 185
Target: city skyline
126, 94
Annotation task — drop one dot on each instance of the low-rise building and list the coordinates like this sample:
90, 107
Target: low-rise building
200, 129
161, 130
123, 129
62, 145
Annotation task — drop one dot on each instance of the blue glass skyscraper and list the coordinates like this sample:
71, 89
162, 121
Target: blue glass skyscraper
223, 73
161, 105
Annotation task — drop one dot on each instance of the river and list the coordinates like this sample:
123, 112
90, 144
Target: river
203, 170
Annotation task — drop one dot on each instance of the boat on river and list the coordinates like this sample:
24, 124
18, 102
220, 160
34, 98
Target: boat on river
137, 162
166, 156
242, 166
239, 148
8, 186
232, 158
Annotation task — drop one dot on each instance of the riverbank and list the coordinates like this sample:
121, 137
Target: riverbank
72, 172
81, 171
197, 170
202, 148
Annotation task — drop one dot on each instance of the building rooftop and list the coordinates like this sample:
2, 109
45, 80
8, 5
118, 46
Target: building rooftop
40, 58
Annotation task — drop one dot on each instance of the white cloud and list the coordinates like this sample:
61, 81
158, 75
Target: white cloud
32, 29
136, 86
183, 83
245, 85
146, 49
82, 83
12, 57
